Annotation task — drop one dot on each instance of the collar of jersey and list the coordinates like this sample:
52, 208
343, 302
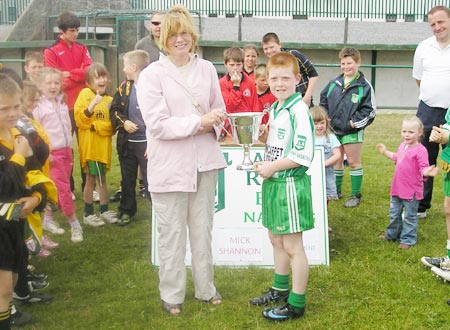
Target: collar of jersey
296, 97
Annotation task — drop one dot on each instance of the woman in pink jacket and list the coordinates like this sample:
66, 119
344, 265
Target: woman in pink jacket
182, 106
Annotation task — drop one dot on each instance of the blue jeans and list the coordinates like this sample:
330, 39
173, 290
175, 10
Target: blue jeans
403, 229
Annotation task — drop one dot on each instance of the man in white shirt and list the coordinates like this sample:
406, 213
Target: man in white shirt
432, 73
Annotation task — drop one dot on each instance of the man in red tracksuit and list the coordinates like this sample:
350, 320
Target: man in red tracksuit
72, 59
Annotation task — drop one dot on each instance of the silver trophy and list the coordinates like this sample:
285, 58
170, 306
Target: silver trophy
245, 133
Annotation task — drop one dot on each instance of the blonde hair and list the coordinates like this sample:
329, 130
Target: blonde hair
47, 71
34, 56
138, 57
283, 60
260, 70
318, 114
177, 20
414, 120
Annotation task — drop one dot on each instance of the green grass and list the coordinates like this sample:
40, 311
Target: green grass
108, 282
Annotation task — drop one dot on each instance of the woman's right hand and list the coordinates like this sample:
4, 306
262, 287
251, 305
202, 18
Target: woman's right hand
211, 119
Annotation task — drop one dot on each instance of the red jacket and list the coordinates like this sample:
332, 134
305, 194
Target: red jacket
75, 60
266, 100
243, 99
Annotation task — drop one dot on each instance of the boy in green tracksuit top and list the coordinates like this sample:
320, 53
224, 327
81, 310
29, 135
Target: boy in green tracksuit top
349, 100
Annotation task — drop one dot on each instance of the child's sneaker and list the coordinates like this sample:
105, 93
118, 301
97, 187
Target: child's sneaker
439, 272
109, 216
48, 243
37, 285
53, 227
93, 220
421, 215
33, 297
353, 200
439, 262
76, 234
282, 313
44, 253
116, 197
124, 219
272, 295
19, 318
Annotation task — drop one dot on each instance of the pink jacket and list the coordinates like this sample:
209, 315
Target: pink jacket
410, 163
54, 118
175, 153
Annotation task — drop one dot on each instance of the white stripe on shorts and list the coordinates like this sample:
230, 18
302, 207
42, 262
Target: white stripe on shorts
292, 205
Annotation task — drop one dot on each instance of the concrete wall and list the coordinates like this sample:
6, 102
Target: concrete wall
320, 40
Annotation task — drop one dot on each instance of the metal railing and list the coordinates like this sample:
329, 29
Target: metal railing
10, 10
391, 10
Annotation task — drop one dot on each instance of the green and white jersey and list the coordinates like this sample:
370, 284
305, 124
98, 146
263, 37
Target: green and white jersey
291, 135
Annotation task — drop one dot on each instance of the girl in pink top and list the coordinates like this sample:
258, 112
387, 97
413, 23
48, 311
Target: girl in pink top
53, 115
411, 169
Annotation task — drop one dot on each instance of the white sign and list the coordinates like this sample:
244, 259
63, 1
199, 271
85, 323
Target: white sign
239, 239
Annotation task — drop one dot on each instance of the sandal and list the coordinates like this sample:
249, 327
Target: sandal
215, 300
171, 309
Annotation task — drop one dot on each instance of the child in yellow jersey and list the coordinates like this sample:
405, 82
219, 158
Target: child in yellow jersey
94, 139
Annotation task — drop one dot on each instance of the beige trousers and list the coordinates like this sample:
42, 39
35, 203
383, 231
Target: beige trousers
175, 212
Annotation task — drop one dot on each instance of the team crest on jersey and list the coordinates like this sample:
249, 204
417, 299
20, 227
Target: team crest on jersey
355, 98
301, 142
281, 133
246, 92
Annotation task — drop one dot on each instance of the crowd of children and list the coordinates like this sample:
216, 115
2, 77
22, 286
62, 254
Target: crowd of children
37, 157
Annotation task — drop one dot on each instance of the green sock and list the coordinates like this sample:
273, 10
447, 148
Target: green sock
280, 282
339, 177
88, 209
296, 300
448, 248
356, 178
103, 208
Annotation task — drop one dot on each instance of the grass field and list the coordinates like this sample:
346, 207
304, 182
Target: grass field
107, 281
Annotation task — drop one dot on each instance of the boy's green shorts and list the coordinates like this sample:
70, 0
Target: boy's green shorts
357, 137
287, 205
95, 168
